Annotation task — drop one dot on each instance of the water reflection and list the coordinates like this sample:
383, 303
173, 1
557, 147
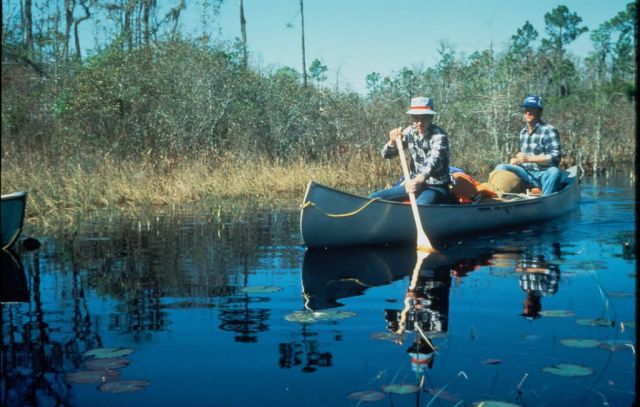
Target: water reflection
161, 285
331, 274
13, 282
538, 278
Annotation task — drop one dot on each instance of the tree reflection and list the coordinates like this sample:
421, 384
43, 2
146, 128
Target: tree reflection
304, 353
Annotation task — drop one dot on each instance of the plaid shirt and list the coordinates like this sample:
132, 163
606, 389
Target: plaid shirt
545, 139
429, 154
542, 282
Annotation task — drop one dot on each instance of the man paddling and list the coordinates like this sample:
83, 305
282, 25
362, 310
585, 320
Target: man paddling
428, 145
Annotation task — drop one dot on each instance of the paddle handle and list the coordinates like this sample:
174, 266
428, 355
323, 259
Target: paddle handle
423, 241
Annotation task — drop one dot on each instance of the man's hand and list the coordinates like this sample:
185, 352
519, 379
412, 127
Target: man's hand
414, 185
519, 159
393, 135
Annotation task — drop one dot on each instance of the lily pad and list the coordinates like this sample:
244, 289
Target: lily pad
494, 403
568, 370
367, 395
107, 353
557, 313
580, 343
443, 394
260, 289
384, 336
311, 317
595, 322
124, 386
302, 317
109, 363
401, 388
91, 376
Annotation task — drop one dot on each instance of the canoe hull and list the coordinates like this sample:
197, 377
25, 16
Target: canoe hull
12, 210
331, 218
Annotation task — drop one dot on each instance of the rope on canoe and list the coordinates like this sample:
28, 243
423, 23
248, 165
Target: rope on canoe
338, 215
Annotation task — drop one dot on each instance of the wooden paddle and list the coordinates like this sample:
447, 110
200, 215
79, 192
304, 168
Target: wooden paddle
423, 243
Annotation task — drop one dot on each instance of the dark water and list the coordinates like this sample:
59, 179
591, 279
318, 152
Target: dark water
225, 308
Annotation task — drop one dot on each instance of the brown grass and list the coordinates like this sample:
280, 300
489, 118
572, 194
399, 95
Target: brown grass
71, 191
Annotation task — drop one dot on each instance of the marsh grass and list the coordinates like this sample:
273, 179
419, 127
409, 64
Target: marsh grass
68, 191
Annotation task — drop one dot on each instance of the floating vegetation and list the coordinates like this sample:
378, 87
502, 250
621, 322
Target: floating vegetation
580, 343
557, 313
621, 294
107, 353
384, 336
367, 395
442, 394
124, 386
568, 370
616, 345
530, 337
91, 376
260, 289
491, 362
401, 388
108, 363
307, 317
494, 403
595, 322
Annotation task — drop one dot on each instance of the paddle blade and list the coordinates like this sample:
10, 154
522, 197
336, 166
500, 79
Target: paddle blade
424, 245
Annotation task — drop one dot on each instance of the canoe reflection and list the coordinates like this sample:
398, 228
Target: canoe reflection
13, 287
329, 275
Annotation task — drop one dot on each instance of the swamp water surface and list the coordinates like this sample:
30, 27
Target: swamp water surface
227, 308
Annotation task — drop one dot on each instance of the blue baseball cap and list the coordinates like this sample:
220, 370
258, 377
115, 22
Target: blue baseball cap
532, 101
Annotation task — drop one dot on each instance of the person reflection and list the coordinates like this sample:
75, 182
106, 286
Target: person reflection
538, 278
426, 312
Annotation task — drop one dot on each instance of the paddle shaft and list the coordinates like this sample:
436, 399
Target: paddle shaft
423, 242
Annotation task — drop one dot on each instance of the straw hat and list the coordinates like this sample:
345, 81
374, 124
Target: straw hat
421, 105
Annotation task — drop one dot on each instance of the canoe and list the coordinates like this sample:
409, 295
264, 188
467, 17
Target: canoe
12, 211
332, 218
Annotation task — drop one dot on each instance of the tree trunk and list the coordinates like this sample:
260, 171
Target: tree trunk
28, 24
304, 64
243, 29
69, 7
87, 15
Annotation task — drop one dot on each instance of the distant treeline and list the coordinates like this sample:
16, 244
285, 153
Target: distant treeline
155, 95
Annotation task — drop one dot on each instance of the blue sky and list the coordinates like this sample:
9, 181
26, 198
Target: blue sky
356, 37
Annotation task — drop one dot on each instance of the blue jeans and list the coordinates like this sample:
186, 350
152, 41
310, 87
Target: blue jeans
547, 180
428, 194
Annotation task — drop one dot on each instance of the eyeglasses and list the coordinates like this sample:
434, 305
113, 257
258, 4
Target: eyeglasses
420, 118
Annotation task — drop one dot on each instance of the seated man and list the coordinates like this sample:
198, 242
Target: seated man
428, 146
539, 156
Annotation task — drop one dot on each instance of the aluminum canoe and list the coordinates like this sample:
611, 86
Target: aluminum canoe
332, 218
12, 209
